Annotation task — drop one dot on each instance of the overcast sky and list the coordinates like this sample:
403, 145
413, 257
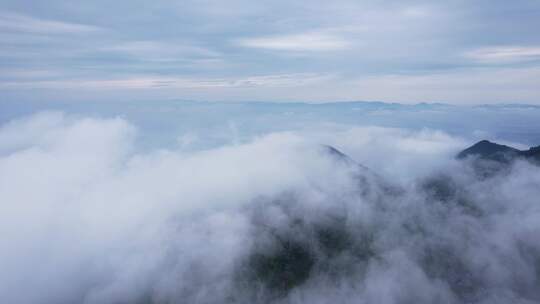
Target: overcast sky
485, 51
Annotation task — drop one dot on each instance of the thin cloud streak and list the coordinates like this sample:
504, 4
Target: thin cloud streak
506, 54
161, 51
281, 80
27, 24
310, 42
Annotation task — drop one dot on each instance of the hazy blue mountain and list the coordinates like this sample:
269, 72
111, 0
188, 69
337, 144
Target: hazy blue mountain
215, 124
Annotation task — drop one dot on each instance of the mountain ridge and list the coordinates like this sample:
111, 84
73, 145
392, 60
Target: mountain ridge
488, 150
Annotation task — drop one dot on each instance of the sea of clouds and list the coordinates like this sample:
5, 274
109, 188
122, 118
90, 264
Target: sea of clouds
86, 216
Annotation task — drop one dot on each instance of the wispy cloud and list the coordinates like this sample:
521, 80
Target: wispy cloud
29, 74
483, 85
159, 50
151, 48
505, 54
309, 41
27, 24
280, 80
201, 43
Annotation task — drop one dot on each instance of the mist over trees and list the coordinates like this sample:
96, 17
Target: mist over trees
382, 215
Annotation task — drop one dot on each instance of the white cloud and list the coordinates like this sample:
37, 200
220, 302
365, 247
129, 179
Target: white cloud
161, 51
504, 54
461, 86
270, 81
107, 224
87, 218
310, 41
22, 23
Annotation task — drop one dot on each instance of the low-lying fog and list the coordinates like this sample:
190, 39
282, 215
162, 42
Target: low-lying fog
87, 216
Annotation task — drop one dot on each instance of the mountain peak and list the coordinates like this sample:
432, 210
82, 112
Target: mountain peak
485, 142
488, 150
532, 153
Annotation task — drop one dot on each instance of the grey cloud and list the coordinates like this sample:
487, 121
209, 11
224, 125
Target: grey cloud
367, 39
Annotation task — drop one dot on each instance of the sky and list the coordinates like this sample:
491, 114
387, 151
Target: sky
458, 52
173, 151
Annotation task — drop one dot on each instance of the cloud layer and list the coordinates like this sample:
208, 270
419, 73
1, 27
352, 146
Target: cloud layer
86, 217
412, 51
